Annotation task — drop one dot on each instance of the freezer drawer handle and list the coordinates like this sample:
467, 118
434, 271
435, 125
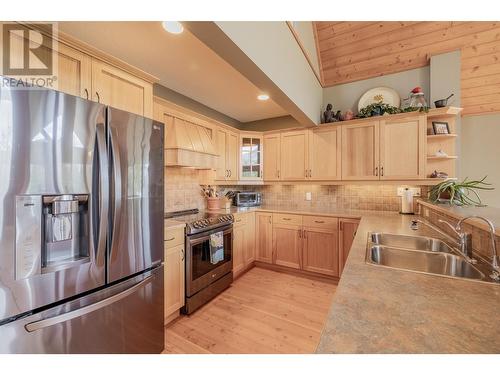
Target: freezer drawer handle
40, 324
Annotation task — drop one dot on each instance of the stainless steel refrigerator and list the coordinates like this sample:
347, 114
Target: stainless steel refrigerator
81, 226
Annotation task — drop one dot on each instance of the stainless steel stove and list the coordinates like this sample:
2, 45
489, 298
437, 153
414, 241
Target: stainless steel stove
204, 279
197, 222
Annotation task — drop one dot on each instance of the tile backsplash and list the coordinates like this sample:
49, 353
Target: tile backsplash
182, 189
353, 197
182, 192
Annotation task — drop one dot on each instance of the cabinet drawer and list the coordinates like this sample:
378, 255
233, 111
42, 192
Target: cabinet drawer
321, 222
287, 219
174, 237
240, 219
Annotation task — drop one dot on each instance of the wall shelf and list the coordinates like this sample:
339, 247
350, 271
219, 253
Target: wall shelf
441, 136
432, 157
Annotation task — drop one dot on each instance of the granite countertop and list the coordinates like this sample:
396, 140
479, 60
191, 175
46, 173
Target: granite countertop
459, 212
322, 211
382, 310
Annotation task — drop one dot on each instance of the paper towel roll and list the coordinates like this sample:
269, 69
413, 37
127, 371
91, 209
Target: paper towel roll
407, 202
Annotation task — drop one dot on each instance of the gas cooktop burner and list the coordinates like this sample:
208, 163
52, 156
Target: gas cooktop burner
197, 222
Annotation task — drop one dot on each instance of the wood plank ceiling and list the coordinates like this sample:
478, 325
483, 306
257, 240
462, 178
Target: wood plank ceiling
353, 51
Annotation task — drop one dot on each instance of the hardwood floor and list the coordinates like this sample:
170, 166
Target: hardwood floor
262, 312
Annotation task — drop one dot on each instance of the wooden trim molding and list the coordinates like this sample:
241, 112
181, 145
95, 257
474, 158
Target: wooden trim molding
306, 55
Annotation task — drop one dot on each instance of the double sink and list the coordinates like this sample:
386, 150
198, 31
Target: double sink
421, 254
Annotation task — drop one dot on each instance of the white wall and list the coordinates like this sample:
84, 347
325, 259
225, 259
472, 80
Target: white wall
273, 48
480, 153
346, 96
305, 33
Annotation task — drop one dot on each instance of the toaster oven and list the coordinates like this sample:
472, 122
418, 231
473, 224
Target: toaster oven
247, 199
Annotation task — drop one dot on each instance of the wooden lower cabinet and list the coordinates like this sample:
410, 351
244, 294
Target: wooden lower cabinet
174, 278
348, 228
264, 237
287, 245
243, 243
320, 251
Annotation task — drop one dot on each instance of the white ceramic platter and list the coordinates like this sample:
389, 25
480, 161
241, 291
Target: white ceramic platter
388, 96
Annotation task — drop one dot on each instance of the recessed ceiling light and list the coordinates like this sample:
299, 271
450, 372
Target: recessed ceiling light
263, 97
173, 27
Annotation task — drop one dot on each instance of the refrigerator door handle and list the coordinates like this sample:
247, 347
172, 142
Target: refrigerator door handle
44, 323
117, 193
103, 202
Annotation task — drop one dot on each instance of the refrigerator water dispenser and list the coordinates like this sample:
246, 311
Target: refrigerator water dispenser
66, 231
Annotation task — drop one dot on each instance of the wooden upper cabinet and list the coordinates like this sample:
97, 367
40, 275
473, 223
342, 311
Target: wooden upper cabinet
251, 167
294, 155
74, 72
272, 147
227, 145
287, 245
402, 148
220, 146
360, 151
232, 155
264, 237
320, 251
119, 89
325, 153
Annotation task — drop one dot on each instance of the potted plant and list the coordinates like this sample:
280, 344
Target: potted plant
459, 193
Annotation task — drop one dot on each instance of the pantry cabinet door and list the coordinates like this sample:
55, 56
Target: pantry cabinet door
402, 148
287, 245
272, 159
325, 153
264, 237
119, 89
360, 151
320, 252
294, 155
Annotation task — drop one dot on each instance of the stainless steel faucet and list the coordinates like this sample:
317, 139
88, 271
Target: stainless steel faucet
495, 262
464, 239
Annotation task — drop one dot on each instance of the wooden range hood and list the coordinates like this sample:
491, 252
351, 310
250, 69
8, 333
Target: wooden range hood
188, 145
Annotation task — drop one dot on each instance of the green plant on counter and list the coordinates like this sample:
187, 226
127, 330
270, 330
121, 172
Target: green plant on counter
379, 109
459, 193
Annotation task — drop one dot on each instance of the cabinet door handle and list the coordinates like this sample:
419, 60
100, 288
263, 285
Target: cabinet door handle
230, 173
238, 220
304, 233
300, 233
319, 221
182, 253
286, 218
270, 222
98, 97
341, 225
87, 94
310, 173
278, 173
170, 239
381, 171
376, 171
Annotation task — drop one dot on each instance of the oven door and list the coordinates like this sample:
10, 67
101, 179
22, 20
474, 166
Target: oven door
200, 272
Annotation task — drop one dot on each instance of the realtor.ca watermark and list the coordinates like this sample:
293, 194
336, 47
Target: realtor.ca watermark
29, 55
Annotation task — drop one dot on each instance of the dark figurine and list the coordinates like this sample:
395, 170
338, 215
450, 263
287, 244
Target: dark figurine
338, 116
328, 115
